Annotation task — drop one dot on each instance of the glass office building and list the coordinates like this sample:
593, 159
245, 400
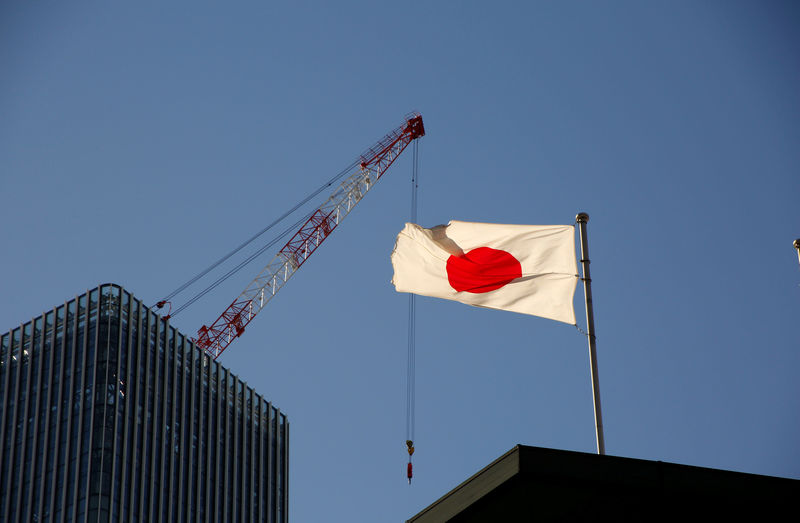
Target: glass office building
108, 413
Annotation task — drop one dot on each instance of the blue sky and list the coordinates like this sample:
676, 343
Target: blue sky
139, 143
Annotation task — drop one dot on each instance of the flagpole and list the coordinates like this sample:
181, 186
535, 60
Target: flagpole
582, 219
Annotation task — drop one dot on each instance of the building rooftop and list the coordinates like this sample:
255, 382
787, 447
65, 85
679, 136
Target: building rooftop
533, 483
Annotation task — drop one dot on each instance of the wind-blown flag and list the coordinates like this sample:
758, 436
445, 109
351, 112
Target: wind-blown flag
530, 269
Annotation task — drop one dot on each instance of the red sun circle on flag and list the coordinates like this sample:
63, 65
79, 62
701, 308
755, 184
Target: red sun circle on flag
482, 270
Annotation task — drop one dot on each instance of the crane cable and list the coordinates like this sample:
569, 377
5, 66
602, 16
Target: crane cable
243, 264
167, 299
412, 334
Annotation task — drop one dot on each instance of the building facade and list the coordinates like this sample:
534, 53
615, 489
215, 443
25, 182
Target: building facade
108, 413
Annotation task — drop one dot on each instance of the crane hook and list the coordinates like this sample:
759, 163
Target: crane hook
409, 471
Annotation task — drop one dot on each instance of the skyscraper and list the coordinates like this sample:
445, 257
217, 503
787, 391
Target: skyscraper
108, 413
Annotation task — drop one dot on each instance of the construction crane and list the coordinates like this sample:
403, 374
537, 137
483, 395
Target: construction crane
374, 162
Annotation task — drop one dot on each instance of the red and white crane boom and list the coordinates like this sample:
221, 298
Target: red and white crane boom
374, 162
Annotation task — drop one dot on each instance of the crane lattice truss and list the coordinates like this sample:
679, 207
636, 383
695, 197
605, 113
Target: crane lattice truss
374, 162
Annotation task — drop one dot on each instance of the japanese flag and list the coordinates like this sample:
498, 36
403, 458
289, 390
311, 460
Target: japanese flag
529, 269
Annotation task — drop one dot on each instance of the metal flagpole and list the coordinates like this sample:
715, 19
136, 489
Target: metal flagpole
582, 219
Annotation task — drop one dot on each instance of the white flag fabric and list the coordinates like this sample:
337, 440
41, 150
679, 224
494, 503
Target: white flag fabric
530, 269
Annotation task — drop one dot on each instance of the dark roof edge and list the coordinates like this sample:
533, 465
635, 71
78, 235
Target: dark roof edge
583, 467
504, 468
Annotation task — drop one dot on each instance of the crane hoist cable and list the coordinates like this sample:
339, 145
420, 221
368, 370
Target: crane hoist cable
166, 299
412, 330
